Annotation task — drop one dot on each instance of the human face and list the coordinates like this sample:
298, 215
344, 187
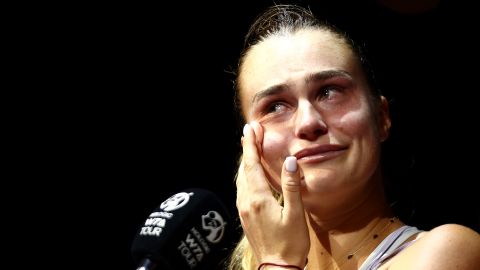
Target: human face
308, 92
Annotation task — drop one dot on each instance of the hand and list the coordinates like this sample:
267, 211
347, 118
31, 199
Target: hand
276, 234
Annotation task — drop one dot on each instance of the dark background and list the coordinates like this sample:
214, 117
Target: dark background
146, 110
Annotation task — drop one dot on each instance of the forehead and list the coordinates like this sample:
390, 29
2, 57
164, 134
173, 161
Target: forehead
288, 56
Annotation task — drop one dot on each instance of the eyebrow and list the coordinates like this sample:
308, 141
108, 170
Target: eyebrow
327, 74
317, 76
272, 90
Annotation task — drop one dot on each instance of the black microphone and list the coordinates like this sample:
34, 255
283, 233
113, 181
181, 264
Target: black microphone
190, 230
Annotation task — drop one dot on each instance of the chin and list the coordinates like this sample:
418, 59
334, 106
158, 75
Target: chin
323, 182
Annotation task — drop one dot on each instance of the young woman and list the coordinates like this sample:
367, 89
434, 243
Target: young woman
310, 190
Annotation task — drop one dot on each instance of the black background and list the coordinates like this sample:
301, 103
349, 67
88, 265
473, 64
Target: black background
145, 110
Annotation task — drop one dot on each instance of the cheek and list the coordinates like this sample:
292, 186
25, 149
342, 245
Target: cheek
274, 146
274, 152
356, 123
358, 128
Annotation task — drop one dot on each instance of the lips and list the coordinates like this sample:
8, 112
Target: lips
320, 153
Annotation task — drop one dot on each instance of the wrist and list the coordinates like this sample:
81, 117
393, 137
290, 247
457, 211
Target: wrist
271, 267
279, 266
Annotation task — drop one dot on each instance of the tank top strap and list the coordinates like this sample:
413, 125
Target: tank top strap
388, 246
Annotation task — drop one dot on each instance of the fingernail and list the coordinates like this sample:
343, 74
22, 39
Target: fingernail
291, 164
245, 129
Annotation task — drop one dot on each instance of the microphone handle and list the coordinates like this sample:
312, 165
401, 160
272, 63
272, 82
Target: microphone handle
146, 264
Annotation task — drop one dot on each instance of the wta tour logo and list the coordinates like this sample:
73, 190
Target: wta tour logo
213, 223
176, 201
155, 223
199, 243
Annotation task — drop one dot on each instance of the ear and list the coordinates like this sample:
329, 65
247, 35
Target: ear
384, 119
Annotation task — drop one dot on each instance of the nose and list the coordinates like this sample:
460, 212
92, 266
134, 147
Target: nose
309, 123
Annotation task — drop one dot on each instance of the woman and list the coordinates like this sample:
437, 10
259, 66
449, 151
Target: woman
310, 192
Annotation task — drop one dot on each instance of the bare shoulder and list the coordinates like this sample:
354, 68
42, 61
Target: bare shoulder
449, 246
454, 239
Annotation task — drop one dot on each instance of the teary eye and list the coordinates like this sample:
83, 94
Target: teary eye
328, 92
275, 107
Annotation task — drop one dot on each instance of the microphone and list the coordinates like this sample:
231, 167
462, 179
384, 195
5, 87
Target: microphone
190, 230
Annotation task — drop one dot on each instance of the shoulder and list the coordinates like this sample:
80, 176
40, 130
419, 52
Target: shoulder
453, 238
449, 246
452, 234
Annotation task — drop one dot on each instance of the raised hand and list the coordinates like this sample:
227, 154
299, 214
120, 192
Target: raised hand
276, 234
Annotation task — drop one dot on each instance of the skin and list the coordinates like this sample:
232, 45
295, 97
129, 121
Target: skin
304, 94
334, 110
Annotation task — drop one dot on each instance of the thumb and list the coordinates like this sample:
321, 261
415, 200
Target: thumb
291, 189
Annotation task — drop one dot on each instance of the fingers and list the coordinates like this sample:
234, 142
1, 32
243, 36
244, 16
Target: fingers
253, 173
263, 219
291, 189
252, 141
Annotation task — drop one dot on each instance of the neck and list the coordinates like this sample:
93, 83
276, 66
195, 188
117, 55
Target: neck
353, 227
350, 211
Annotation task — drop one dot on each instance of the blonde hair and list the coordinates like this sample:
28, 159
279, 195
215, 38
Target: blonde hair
242, 257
